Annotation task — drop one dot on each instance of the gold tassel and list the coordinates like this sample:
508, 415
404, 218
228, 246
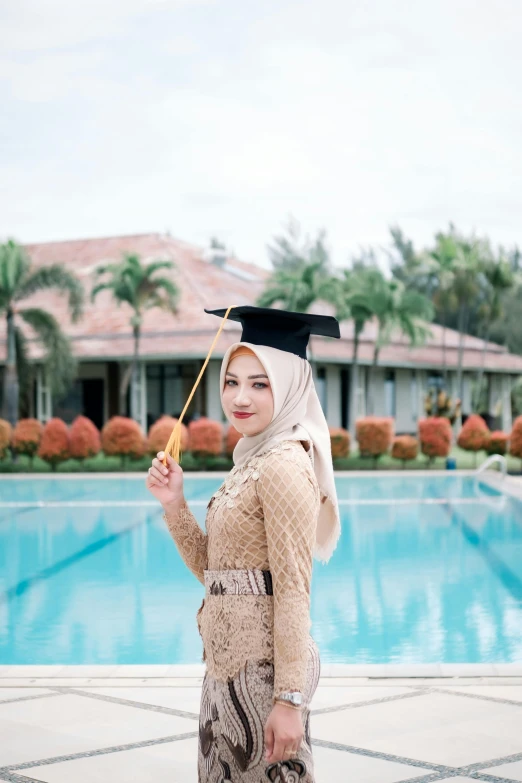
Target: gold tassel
173, 447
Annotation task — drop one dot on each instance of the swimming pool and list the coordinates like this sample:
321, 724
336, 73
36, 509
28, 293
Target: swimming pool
428, 569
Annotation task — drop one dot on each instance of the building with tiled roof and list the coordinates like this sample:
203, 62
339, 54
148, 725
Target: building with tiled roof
173, 347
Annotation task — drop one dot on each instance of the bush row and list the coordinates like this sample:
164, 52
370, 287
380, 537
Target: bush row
123, 437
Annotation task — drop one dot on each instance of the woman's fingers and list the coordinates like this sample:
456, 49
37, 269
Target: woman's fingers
279, 750
159, 466
171, 462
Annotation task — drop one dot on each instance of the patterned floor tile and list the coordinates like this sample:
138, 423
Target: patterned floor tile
187, 699
337, 766
438, 728
41, 728
173, 761
332, 697
513, 770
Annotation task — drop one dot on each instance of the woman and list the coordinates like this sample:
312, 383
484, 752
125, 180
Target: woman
274, 511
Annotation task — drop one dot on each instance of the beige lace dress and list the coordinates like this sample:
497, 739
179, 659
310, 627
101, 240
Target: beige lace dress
255, 561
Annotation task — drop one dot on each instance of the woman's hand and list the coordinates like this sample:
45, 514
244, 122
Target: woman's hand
283, 732
165, 483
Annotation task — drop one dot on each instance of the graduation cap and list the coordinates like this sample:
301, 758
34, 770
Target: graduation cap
282, 329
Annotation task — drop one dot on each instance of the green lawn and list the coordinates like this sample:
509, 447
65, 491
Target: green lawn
103, 464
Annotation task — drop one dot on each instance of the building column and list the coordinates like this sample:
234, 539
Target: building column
212, 391
421, 391
333, 395
466, 394
44, 404
507, 413
138, 396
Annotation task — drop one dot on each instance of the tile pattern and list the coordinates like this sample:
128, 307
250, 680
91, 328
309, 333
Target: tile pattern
335, 760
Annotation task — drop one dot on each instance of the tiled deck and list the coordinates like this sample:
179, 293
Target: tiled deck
141, 726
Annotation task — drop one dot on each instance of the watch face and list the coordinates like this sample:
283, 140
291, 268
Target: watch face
296, 698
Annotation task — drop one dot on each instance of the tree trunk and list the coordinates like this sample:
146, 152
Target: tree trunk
130, 373
11, 385
371, 400
480, 374
444, 364
135, 383
462, 323
354, 386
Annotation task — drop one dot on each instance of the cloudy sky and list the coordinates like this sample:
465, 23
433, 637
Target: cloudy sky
224, 117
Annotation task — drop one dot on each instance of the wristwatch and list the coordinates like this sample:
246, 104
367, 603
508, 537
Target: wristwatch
293, 697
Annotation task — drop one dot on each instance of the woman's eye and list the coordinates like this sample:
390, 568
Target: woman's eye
229, 382
260, 384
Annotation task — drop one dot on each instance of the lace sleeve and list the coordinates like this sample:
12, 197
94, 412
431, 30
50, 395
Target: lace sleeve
190, 539
289, 495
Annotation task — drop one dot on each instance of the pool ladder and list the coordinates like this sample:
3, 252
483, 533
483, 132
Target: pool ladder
492, 460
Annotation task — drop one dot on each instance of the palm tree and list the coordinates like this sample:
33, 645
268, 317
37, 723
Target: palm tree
440, 265
302, 274
297, 289
138, 285
18, 281
499, 277
396, 307
355, 302
471, 259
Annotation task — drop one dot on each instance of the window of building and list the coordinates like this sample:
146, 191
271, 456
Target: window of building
389, 393
435, 380
168, 386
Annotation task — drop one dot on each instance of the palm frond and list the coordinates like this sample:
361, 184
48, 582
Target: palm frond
152, 287
59, 362
156, 265
55, 276
14, 267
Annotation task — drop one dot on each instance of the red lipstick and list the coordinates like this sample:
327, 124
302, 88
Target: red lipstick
240, 415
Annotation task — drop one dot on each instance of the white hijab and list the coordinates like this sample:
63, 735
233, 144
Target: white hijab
297, 416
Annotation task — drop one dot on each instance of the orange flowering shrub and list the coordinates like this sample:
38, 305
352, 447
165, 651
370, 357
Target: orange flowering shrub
26, 437
405, 448
473, 434
160, 432
205, 436
339, 442
55, 444
232, 438
497, 443
85, 438
435, 437
5, 437
374, 435
515, 446
123, 437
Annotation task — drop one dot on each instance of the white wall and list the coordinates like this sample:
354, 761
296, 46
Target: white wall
212, 392
333, 395
406, 407
376, 391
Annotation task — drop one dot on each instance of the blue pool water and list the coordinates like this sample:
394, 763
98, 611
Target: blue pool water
428, 569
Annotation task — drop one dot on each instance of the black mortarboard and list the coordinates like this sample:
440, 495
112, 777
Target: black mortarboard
281, 329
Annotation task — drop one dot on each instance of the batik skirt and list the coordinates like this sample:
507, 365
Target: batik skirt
232, 722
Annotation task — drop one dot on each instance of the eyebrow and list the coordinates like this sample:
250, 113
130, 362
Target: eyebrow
250, 377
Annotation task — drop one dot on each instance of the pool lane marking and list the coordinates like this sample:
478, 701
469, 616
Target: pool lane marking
508, 578
25, 584
154, 504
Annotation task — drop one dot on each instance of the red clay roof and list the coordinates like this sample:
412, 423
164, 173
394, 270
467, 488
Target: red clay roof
104, 331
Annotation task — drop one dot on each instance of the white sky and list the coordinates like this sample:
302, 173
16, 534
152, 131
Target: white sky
224, 117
